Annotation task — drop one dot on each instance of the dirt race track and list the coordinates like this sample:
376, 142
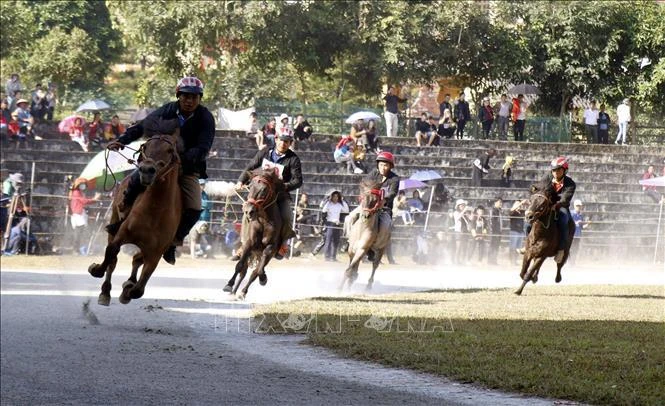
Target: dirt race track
186, 342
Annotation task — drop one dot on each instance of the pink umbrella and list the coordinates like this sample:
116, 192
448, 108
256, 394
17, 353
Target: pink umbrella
66, 124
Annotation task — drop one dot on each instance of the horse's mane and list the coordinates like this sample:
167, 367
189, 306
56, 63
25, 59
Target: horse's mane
547, 189
369, 184
269, 174
154, 126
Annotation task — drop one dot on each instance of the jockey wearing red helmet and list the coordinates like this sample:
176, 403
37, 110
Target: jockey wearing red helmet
565, 188
197, 131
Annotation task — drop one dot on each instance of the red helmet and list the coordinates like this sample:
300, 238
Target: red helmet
385, 156
559, 162
189, 84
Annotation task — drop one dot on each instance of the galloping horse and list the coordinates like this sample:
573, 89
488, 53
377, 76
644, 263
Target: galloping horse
262, 216
364, 234
543, 240
153, 220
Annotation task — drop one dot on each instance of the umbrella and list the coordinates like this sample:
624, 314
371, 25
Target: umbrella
425, 175
406, 184
140, 115
66, 124
653, 181
362, 115
98, 176
524, 89
93, 105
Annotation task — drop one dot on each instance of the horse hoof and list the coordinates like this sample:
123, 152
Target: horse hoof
127, 285
104, 300
124, 299
135, 293
518, 292
534, 279
557, 279
263, 279
96, 270
240, 296
368, 288
227, 288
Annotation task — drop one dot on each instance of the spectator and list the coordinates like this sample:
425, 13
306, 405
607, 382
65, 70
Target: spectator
199, 245
5, 118
10, 186
591, 123
79, 215
13, 101
507, 171
604, 122
415, 205
18, 238
358, 131
302, 130
323, 224
283, 127
426, 131
391, 113
38, 103
370, 139
13, 86
479, 233
462, 115
252, 130
519, 112
623, 118
114, 129
232, 239
77, 135
334, 208
517, 229
446, 127
496, 227
445, 104
402, 209
266, 137
24, 119
481, 167
503, 116
580, 224
486, 117
461, 232
304, 217
51, 101
95, 129
344, 152
651, 191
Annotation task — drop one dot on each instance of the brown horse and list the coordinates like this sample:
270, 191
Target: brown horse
362, 229
543, 240
263, 237
153, 220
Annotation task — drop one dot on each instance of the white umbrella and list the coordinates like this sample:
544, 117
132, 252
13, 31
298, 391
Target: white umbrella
660, 181
93, 105
362, 115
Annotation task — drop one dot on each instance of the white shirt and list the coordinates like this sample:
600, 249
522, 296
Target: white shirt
334, 210
504, 110
523, 107
623, 113
591, 117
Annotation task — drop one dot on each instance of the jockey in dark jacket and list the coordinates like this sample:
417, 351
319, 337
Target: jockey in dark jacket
291, 175
565, 188
197, 130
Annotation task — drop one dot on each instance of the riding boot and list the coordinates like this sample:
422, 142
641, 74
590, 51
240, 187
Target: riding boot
134, 189
187, 220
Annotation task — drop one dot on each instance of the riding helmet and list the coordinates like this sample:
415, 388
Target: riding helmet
560, 162
189, 84
385, 156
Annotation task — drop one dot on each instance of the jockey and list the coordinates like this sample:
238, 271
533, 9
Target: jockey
197, 130
565, 188
389, 180
291, 175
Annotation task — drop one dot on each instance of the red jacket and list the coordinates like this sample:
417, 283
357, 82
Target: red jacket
78, 201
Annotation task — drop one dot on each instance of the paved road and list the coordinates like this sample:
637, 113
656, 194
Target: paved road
186, 343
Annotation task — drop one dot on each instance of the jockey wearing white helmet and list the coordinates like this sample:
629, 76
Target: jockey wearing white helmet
197, 130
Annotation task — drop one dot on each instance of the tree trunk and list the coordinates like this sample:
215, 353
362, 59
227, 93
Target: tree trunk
565, 98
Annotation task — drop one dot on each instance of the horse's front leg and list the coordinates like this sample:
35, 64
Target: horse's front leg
241, 270
375, 264
526, 261
231, 284
149, 265
104, 298
259, 271
110, 254
137, 262
351, 272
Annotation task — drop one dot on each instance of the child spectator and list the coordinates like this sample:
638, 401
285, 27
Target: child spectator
461, 232
507, 171
95, 129
114, 129
651, 191
479, 233
266, 137
344, 152
334, 208
604, 122
302, 130
481, 167
77, 135
24, 119
402, 209
370, 139
580, 224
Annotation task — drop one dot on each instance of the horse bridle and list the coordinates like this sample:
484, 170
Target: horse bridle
539, 214
379, 202
173, 162
271, 196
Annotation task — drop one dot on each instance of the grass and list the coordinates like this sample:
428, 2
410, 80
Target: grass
595, 344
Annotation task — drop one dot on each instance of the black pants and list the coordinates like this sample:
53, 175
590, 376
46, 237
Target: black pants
333, 233
487, 127
518, 130
460, 129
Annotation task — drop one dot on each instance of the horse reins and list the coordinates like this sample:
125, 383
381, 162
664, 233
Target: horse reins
379, 202
540, 214
259, 203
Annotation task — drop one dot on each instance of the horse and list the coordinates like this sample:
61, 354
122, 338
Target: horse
543, 240
153, 220
263, 237
364, 234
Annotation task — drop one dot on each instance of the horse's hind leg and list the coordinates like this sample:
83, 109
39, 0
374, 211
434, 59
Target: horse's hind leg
259, 271
531, 272
351, 272
241, 271
136, 291
137, 261
104, 298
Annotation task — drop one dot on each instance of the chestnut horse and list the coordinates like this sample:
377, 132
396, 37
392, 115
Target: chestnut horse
261, 215
153, 220
362, 229
543, 240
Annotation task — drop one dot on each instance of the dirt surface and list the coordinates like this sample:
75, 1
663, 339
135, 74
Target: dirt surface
186, 342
